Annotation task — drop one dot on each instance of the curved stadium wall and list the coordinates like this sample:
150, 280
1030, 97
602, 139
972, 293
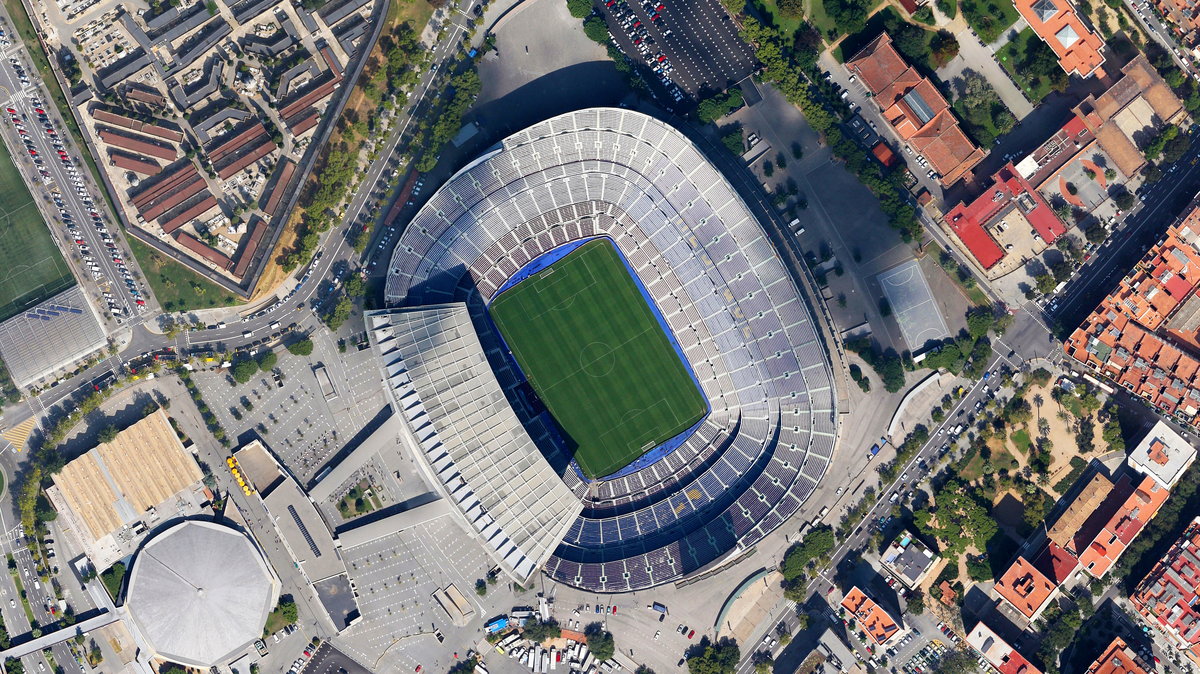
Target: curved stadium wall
741, 322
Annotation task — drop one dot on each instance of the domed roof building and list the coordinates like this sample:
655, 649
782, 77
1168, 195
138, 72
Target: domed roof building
200, 592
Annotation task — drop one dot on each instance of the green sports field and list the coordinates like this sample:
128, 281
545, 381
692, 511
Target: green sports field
593, 351
31, 268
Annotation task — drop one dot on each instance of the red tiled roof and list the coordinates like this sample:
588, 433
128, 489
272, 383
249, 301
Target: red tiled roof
136, 145
915, 109
221, 260
135, 163
1025, 587
872, 619
1008, 190
1055, 22
182, 218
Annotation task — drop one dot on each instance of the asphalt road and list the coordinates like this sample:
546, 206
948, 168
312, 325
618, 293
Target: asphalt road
1164, 202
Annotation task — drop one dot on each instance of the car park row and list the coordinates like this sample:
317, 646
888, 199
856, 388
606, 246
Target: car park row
639, 35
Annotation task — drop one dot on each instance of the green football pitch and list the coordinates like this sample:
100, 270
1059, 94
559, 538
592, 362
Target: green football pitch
31, 267
594, 353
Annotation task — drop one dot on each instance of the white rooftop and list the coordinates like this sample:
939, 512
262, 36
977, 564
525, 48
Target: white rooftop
470, 441
1163, 455
200, 593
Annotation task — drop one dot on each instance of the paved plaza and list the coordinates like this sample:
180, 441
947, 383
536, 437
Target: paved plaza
395, 578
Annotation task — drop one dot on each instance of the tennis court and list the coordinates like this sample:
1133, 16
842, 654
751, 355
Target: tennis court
31, 266
594, 352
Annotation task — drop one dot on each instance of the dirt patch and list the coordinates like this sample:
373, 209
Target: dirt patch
274, 274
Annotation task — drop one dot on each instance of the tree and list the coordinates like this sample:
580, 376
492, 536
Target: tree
480, 587
600, 641
287, 609
1124, 200
244, 370
538, 631
267, 360
978, 570
956, 662
791, 8
302, 347
107, 434
943, 47
916, 602
719, 658
579, 8
14, 666
595, 28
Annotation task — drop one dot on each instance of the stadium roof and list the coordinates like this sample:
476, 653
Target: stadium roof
473, 445
53, 334
704, 259
200, 593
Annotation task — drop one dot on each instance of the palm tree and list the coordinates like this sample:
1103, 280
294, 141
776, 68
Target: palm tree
1037, 402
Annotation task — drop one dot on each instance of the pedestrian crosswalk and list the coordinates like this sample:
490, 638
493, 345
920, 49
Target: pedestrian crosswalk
18, 435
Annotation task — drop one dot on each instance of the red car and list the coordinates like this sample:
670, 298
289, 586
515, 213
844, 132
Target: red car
662, 58
33, 153
655, 17
39, 111
10, 111
691, 634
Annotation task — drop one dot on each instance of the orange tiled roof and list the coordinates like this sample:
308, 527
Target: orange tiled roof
1057, 24
1025, 587
1169, 596
872, 619
915, 109
1126, 337
1130, 509
1119, 658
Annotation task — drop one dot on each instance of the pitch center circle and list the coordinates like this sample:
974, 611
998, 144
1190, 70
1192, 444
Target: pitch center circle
597, 359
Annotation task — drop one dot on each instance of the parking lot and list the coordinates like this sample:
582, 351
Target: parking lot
50, 165
395, 578
692, 46
299, 426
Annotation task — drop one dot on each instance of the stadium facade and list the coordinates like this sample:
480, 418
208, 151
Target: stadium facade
744, 327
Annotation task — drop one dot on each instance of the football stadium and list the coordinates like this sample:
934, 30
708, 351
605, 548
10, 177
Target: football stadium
602, 362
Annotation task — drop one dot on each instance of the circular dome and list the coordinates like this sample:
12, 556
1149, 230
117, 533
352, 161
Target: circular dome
200, 593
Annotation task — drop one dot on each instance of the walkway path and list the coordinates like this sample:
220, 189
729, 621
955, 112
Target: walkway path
974, 55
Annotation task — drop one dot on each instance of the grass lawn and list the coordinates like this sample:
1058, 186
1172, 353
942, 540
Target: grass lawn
112, 578
22, 594
1035, 88
177, 287
1071, 403
989, 18
1022, 440
31, 266
787, 24
970, 467
416, 12
594, 352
